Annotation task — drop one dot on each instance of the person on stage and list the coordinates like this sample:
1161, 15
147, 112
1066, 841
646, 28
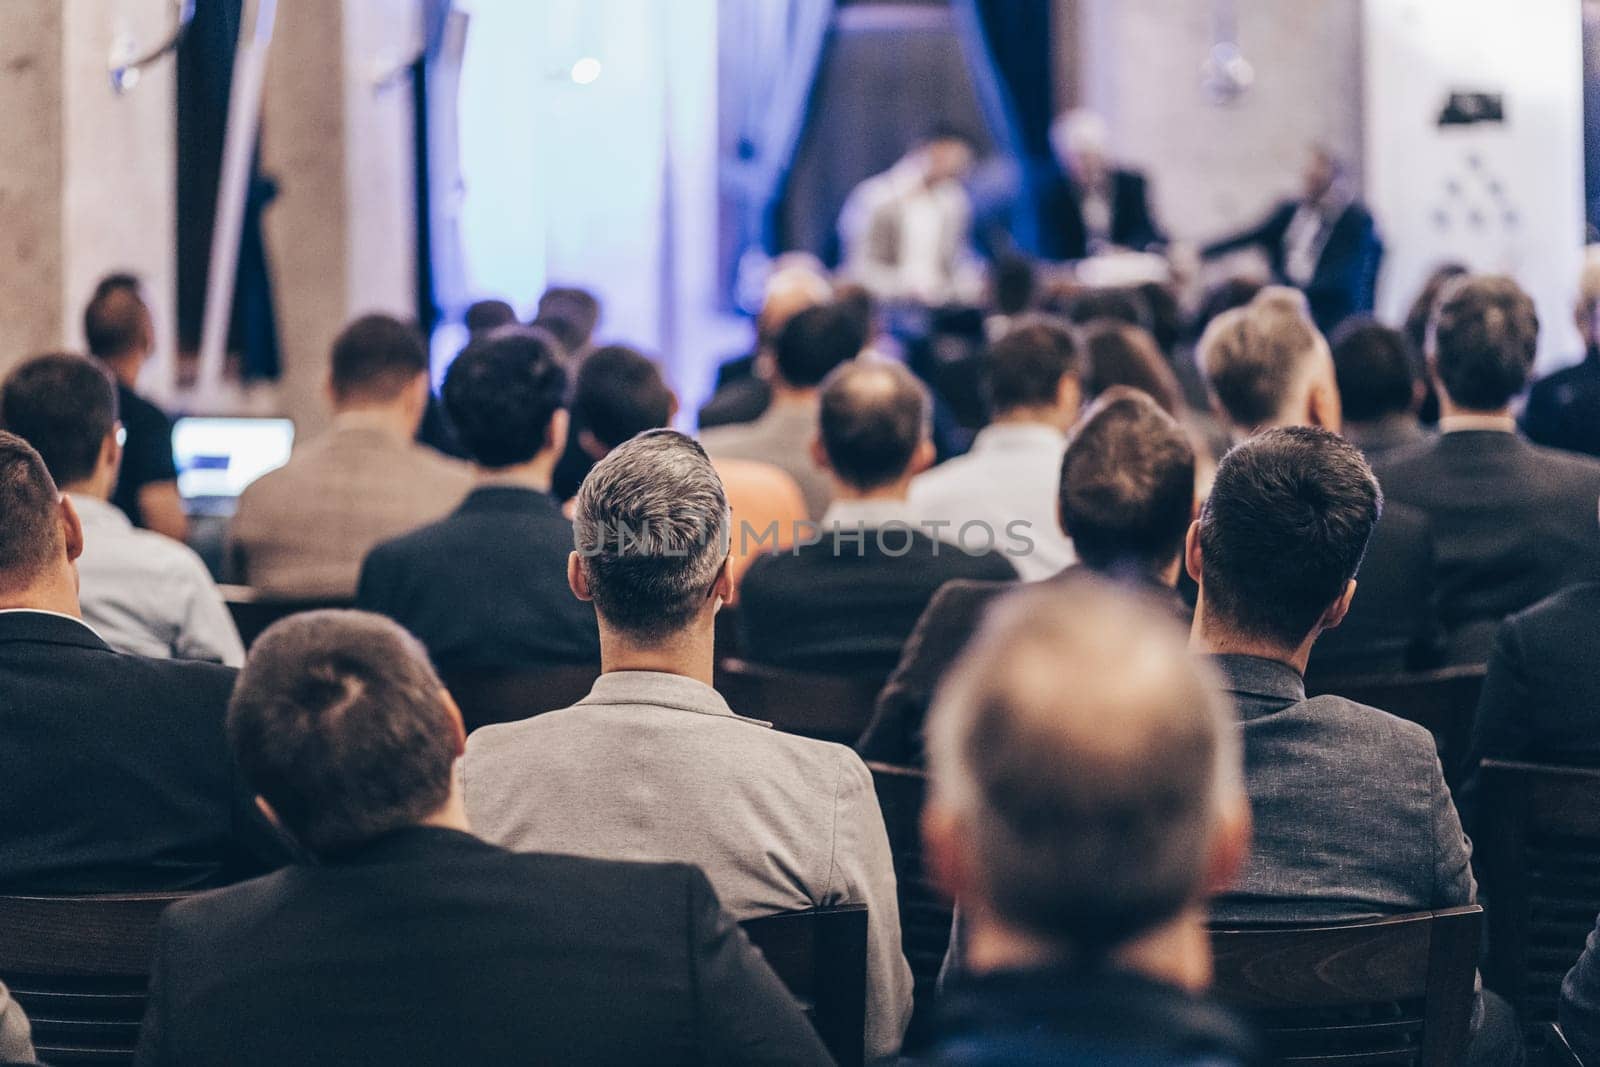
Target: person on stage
1089, 204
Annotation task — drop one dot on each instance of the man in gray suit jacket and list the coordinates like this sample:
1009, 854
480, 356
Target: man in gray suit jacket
654, 765
1352, 816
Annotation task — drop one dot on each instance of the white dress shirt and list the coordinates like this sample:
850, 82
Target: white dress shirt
1010, 482
148, 594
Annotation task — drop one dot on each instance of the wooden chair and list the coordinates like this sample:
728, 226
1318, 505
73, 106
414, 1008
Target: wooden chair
1443, 700
79, 966
1539, 857
811, 705
924, 913
253, 613
821, 956
1557, 1051
486, 696
1374, 992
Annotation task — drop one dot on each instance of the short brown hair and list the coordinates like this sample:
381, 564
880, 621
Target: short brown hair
873, 415
1484, 337
375, 358
1252, 355
1119, 354
30, 533
1025, 366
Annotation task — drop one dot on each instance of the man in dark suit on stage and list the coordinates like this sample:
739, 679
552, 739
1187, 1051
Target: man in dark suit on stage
1088, 205
1324, 244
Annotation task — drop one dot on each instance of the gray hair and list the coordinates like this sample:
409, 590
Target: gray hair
1089, 758
651, 527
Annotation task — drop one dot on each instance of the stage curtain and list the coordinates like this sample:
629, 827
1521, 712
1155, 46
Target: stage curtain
1008, 47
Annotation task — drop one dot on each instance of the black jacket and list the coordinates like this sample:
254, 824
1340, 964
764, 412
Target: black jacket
1062, 232
1564, 409
430, 947
117, 773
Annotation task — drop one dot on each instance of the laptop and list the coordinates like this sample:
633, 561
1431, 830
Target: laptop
218, 457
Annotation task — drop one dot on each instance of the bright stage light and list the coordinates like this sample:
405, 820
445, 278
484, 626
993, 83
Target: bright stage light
585, 70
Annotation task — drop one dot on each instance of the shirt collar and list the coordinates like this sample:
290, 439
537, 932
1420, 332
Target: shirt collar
1261, 677
662, 689
1469, 423
867, 514
97, 512
1018, 436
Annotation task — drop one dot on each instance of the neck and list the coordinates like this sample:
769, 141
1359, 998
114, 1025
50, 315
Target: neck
125, 368
534, 474
453, 815
689, 653
784, 393
57, 593
1449, 409
1219, 639
390, 419
1043, 415
1178, 953
895, 491
96, 487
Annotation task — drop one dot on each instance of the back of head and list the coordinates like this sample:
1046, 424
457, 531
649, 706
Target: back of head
793, 287
1283, 531
1127, 484
340, 724
1376, 370
1024, 368
1223, 297
873, 417
116, 321
1088, 761
571, 313
1484, 337
1014, 282
1119, 354
651, 527
815, 341
619, 394
375, 359
65, 406
486, 315
31, 538
1166, 315
501, 394
1253, 356
1420, 315
1119, 305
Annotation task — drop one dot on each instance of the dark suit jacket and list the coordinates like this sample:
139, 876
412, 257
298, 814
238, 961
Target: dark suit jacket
1062, 232
431, 947
118, 776
1345, 278
812, 609
1512, 524
1564, 409
486, 586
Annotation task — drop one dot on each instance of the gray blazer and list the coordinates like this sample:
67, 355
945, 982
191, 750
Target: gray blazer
656, 766
782, 436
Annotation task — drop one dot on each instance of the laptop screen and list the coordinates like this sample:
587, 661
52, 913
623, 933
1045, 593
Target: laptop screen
218, 457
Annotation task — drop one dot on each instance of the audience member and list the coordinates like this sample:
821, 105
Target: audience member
118, 778
654, 765
408, 940
485, 587
1125, 494
571, 315
618, 392
142, 592
1418, 318
1116, 353
845, 600
1563, 410
1275, 552
1013, 286
303, 529
743, 386
120, 332
1085, 803
1268, 367
1514, 522
486, 316
813, 342
1380, 389
1033, 380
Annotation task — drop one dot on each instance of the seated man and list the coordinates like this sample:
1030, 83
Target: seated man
617, 392
1514, 522
1563, 409
1352, 817
1125, 496
302, 530
409, 940
117, 771
654, 765
143, 592
1267, 366
1033, 378
1380, 388
485, 587
845, 601
1084, 825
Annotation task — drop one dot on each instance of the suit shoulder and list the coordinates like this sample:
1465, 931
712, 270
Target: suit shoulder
1392, 735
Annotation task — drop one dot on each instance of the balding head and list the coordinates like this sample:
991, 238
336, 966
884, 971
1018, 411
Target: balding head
789, 291
874, 424
1084, 771
1266, 365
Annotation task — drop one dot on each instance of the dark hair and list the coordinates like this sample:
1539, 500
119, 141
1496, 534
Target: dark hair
571, 314
1127, 483
485, 315
1420, 314
1484, 337
946, 130
619, 394
815, 341
339, 722
30, 536
500, 394
873, 416
64, 406
1122, 305
1015, 281
375, 358
1119, 354
1252, 356
1025, 366
1166, 316
1285, 527
1376, 369
1223, 297
116, 320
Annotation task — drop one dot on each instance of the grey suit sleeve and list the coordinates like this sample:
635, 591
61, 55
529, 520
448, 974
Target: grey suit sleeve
863, 873
743, 1013
1579, 1010
1453, 884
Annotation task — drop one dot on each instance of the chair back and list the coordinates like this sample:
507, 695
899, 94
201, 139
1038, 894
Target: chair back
1539, 857
821, 956
1557, 1050
1396, 990
253, 613
79, 966
925, 915
491, 696
1443, 700
823, 706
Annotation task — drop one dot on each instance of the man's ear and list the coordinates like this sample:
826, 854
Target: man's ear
555, 435
1230, 845
591, 446
923, 457
1339, 608
942, 854
111, 453
1191, 551
1322, 406
722, 584
1069, 398
71, 529
577, 579
819, 455
672, 407
460, 726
